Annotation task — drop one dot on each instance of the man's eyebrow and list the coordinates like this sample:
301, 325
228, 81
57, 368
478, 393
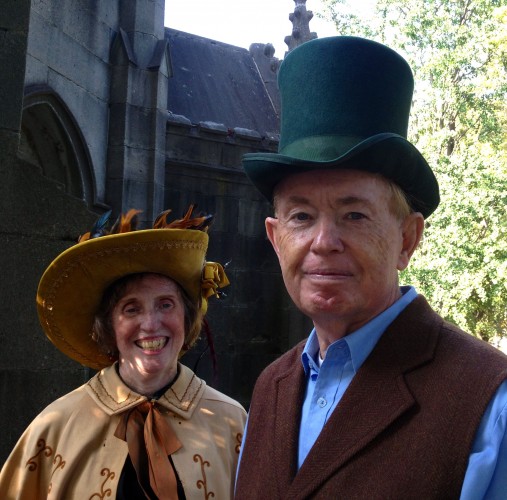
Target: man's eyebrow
344, 200
350, 200
296, 199
291, 200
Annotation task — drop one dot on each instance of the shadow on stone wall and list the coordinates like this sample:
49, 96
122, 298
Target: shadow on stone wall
37, 222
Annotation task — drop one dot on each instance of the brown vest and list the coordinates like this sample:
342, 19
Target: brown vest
403, 429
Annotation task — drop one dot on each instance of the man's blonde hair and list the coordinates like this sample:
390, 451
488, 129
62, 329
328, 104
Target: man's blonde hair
399, 204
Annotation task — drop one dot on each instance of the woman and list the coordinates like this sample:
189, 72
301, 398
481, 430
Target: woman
130, 303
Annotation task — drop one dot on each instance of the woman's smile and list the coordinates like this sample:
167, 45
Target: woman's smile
152, 344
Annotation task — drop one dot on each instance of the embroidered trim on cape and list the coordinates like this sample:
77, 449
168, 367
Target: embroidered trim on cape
203, 483
112, 404
184, 403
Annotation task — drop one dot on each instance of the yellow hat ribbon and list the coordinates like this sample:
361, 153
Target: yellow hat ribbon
213, 278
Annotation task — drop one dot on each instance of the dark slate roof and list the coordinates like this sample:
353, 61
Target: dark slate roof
217, 82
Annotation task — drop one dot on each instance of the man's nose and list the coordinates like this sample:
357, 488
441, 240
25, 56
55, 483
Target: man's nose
328, 237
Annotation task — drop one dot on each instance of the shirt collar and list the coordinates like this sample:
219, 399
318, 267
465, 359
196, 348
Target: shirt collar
362, 341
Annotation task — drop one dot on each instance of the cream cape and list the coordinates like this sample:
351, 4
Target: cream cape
70, 452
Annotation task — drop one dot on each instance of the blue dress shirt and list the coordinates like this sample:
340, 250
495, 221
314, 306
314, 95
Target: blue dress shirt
327, 381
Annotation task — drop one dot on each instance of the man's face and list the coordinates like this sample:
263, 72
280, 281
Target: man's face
339, 245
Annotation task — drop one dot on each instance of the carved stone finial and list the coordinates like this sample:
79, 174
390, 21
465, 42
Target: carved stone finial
300, 20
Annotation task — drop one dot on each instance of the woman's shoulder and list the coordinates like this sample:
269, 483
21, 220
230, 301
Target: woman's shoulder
212, 394
50, 423
64, 406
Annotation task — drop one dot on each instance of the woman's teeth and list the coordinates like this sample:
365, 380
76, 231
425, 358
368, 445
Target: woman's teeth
152, 345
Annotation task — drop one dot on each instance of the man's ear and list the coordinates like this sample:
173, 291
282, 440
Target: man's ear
412, 230
271, 231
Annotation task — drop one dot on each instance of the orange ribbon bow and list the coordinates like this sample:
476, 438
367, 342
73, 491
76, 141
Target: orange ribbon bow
150, 440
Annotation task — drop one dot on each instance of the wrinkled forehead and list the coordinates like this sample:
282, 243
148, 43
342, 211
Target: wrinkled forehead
338, 183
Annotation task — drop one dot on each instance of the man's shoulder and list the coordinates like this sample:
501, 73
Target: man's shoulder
431, 333
465, 344
287, 366
286, 362
462, 340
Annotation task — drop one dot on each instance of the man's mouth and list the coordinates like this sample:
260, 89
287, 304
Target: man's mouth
152, 344
328, 273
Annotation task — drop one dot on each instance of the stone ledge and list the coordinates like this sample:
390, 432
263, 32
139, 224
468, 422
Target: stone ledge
214, 128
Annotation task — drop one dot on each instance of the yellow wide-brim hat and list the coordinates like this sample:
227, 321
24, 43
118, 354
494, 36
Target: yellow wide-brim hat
71, 289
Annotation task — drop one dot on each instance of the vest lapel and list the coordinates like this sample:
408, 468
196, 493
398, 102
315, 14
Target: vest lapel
290, 389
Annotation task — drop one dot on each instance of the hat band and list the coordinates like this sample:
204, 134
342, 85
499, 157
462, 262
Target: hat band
321, 147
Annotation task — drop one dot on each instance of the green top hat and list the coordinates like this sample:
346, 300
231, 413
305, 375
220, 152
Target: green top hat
345, 104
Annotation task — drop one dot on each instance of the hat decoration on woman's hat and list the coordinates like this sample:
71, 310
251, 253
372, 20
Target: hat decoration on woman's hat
345, 103
71, 288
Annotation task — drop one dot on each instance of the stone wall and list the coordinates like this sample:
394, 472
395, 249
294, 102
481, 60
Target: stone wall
69, 42
37, 221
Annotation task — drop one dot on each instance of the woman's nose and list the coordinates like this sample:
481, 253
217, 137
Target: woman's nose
149, 321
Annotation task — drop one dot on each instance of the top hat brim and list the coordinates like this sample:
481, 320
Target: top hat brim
390, 155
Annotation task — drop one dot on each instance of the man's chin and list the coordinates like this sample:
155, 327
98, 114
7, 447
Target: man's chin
318, 303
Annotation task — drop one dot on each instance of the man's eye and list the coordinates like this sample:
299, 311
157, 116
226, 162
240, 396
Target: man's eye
301, 216
355, 216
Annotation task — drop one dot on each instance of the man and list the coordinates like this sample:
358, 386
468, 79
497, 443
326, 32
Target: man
385, 399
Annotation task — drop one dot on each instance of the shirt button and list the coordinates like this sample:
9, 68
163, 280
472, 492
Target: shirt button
321, 402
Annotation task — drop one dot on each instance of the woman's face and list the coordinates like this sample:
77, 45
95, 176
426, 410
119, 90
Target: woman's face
149, 327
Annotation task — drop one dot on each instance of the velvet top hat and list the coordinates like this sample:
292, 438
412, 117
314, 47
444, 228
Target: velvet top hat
71, 289
345, 103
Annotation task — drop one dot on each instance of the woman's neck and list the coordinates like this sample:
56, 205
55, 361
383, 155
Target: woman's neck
147, 384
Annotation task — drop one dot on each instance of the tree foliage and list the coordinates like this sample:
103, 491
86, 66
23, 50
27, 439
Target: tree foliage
458, 52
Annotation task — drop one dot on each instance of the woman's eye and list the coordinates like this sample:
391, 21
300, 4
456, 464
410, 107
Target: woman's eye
166, 305
130, 309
